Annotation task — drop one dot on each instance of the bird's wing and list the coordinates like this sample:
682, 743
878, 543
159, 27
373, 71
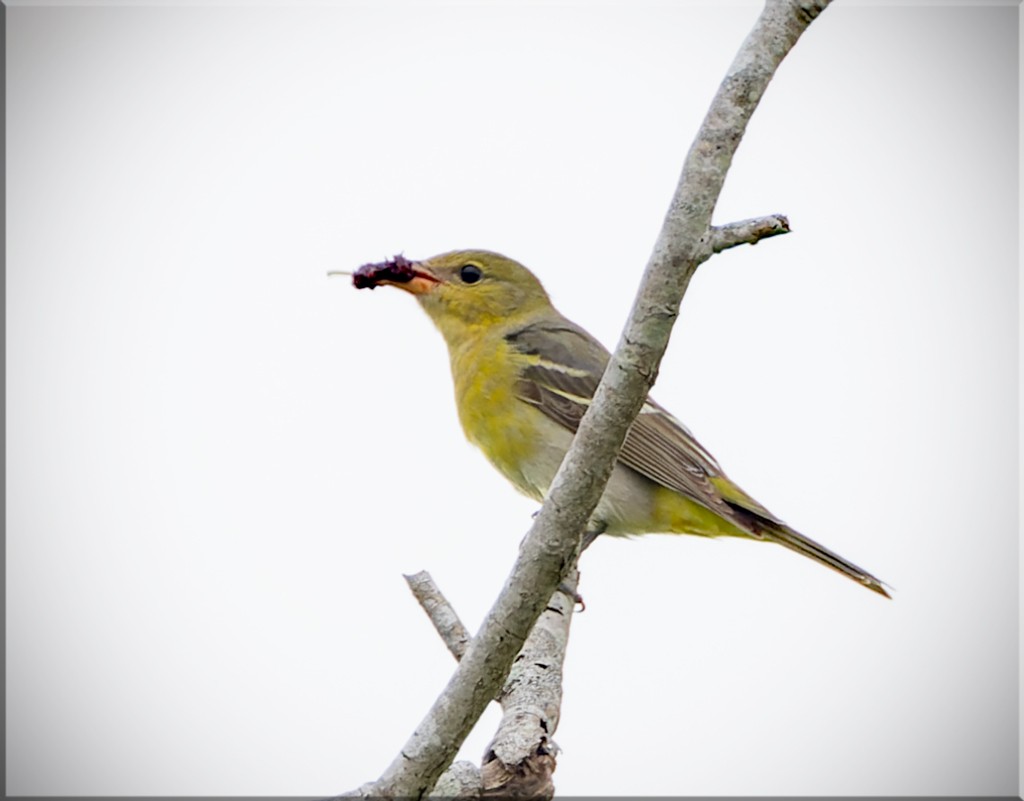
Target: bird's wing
562, 365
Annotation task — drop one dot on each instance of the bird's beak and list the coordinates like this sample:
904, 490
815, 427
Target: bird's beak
422, 281
412, 276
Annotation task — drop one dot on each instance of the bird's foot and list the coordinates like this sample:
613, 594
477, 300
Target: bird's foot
568, 589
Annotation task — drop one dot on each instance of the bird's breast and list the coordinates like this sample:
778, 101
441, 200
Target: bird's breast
520, 441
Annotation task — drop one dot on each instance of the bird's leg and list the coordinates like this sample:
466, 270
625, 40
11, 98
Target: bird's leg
566, 588
594, 530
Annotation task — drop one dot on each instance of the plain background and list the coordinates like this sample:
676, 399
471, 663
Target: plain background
220, 462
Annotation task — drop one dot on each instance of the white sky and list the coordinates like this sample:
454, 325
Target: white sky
219, 462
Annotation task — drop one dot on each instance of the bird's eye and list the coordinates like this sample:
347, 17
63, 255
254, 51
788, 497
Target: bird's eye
470, 274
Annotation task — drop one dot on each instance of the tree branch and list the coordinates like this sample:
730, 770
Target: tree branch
747, 232
521, 757
552, 545
460, 781
442, 615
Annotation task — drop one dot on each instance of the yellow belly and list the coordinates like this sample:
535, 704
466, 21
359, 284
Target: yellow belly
520, 441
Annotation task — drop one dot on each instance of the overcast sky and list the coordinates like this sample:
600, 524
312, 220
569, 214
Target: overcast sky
220, 462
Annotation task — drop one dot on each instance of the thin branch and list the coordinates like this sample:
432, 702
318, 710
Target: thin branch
442, 615
747, 232
552, 545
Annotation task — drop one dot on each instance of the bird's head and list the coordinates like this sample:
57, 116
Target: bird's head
463, 289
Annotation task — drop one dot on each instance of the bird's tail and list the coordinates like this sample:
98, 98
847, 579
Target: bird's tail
757, 522
795, 541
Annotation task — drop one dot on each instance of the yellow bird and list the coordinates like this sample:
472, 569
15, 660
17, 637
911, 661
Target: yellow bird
524, 375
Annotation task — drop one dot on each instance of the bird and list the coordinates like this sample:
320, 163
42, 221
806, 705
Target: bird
524, 375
